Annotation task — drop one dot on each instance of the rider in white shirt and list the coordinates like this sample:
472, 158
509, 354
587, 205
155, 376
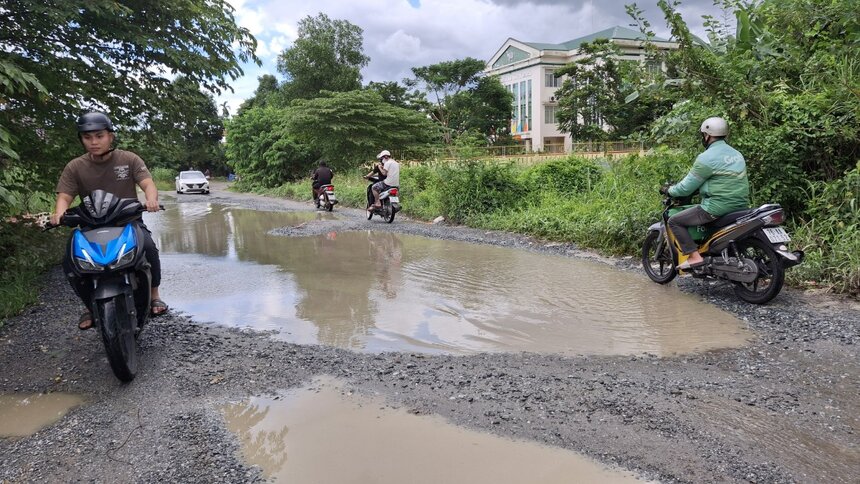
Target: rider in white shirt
390, 169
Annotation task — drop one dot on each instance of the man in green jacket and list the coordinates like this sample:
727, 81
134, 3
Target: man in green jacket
720, 175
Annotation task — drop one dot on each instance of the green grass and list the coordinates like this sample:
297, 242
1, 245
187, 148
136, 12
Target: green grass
27, 253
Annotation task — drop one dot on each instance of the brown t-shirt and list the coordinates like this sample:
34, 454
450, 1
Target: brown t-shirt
118, 172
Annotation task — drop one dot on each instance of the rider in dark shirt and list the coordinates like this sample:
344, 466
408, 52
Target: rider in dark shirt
321, 176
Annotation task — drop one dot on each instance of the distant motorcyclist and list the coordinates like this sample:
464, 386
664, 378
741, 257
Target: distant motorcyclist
321, 176
390, 169
720, 175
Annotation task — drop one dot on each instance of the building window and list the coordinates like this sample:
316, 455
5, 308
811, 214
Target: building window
549, 78
521, 112
550, 114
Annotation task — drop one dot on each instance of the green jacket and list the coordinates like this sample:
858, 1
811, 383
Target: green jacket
720, 175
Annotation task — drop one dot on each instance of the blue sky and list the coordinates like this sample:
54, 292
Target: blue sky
401, 34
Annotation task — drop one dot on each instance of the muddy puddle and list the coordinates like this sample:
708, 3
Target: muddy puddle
379, 291
321, 433
23, 415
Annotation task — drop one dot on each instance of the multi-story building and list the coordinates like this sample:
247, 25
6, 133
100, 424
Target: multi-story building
527, 70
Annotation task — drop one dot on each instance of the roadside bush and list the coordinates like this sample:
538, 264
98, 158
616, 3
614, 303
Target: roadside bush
420, 188
475, 188
610, 216
25, 254
829, 233
164, 178
563, 176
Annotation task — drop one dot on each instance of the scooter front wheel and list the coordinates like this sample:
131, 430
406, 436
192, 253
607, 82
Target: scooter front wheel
657, 258
117, 327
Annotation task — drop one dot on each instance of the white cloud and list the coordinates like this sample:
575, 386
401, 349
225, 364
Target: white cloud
400, 46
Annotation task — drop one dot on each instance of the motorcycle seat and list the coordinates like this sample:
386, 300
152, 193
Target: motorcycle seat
729, 218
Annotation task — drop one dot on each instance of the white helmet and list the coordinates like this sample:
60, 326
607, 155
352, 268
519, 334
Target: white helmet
715, 127
383, 153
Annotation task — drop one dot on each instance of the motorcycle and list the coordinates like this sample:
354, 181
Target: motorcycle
326, 198
746, 247
105, 252
389, 200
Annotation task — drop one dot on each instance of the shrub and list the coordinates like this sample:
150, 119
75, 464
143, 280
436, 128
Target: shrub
829, 233
474, 188
563, 175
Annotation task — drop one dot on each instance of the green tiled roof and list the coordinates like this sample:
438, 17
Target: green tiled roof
616, 32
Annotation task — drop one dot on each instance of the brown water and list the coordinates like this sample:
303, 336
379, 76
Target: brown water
23, 415
379, 291
323, 434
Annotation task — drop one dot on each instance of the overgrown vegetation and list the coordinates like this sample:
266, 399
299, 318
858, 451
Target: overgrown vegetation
25, 253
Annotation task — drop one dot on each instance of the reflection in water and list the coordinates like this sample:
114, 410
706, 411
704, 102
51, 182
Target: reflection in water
22, 415
378, 291
319, 434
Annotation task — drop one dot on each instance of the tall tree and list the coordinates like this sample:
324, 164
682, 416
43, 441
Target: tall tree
604, 97
455, 87
268, 93
188, 132
262, 148
350, 127
397, 95
327, 55
114, 55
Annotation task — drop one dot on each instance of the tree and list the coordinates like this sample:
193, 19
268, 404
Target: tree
397, 95
604, 97
262, 148
786, 80
268, 93
327, 55
114, 55
188, 135
350, 127
457, 87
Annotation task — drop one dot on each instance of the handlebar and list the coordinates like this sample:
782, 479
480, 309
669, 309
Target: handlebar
48, 225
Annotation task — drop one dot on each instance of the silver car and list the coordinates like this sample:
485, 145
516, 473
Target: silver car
192, 182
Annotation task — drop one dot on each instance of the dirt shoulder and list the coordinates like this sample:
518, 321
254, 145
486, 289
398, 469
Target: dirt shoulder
783, 409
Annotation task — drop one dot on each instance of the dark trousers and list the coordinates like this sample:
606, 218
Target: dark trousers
84, 290
690, 217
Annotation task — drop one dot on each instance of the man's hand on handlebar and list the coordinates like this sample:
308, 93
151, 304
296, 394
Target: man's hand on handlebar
664, 190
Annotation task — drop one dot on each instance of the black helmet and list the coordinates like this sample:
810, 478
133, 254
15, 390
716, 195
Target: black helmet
94, 121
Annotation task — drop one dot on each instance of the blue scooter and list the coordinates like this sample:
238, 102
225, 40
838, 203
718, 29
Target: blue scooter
110, 272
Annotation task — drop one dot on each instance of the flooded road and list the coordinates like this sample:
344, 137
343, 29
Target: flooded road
321, 433
382, 291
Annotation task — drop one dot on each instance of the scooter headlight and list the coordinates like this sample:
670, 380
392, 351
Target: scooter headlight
124, 258
86, 263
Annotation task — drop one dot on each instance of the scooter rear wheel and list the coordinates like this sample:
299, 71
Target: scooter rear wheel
657, 258
389, 213
117, 327
771, 274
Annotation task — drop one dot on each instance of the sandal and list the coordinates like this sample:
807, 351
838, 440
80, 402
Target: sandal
158, 304
686, 266
86, 317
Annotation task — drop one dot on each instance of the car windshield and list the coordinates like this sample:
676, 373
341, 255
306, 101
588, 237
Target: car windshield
191, 175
